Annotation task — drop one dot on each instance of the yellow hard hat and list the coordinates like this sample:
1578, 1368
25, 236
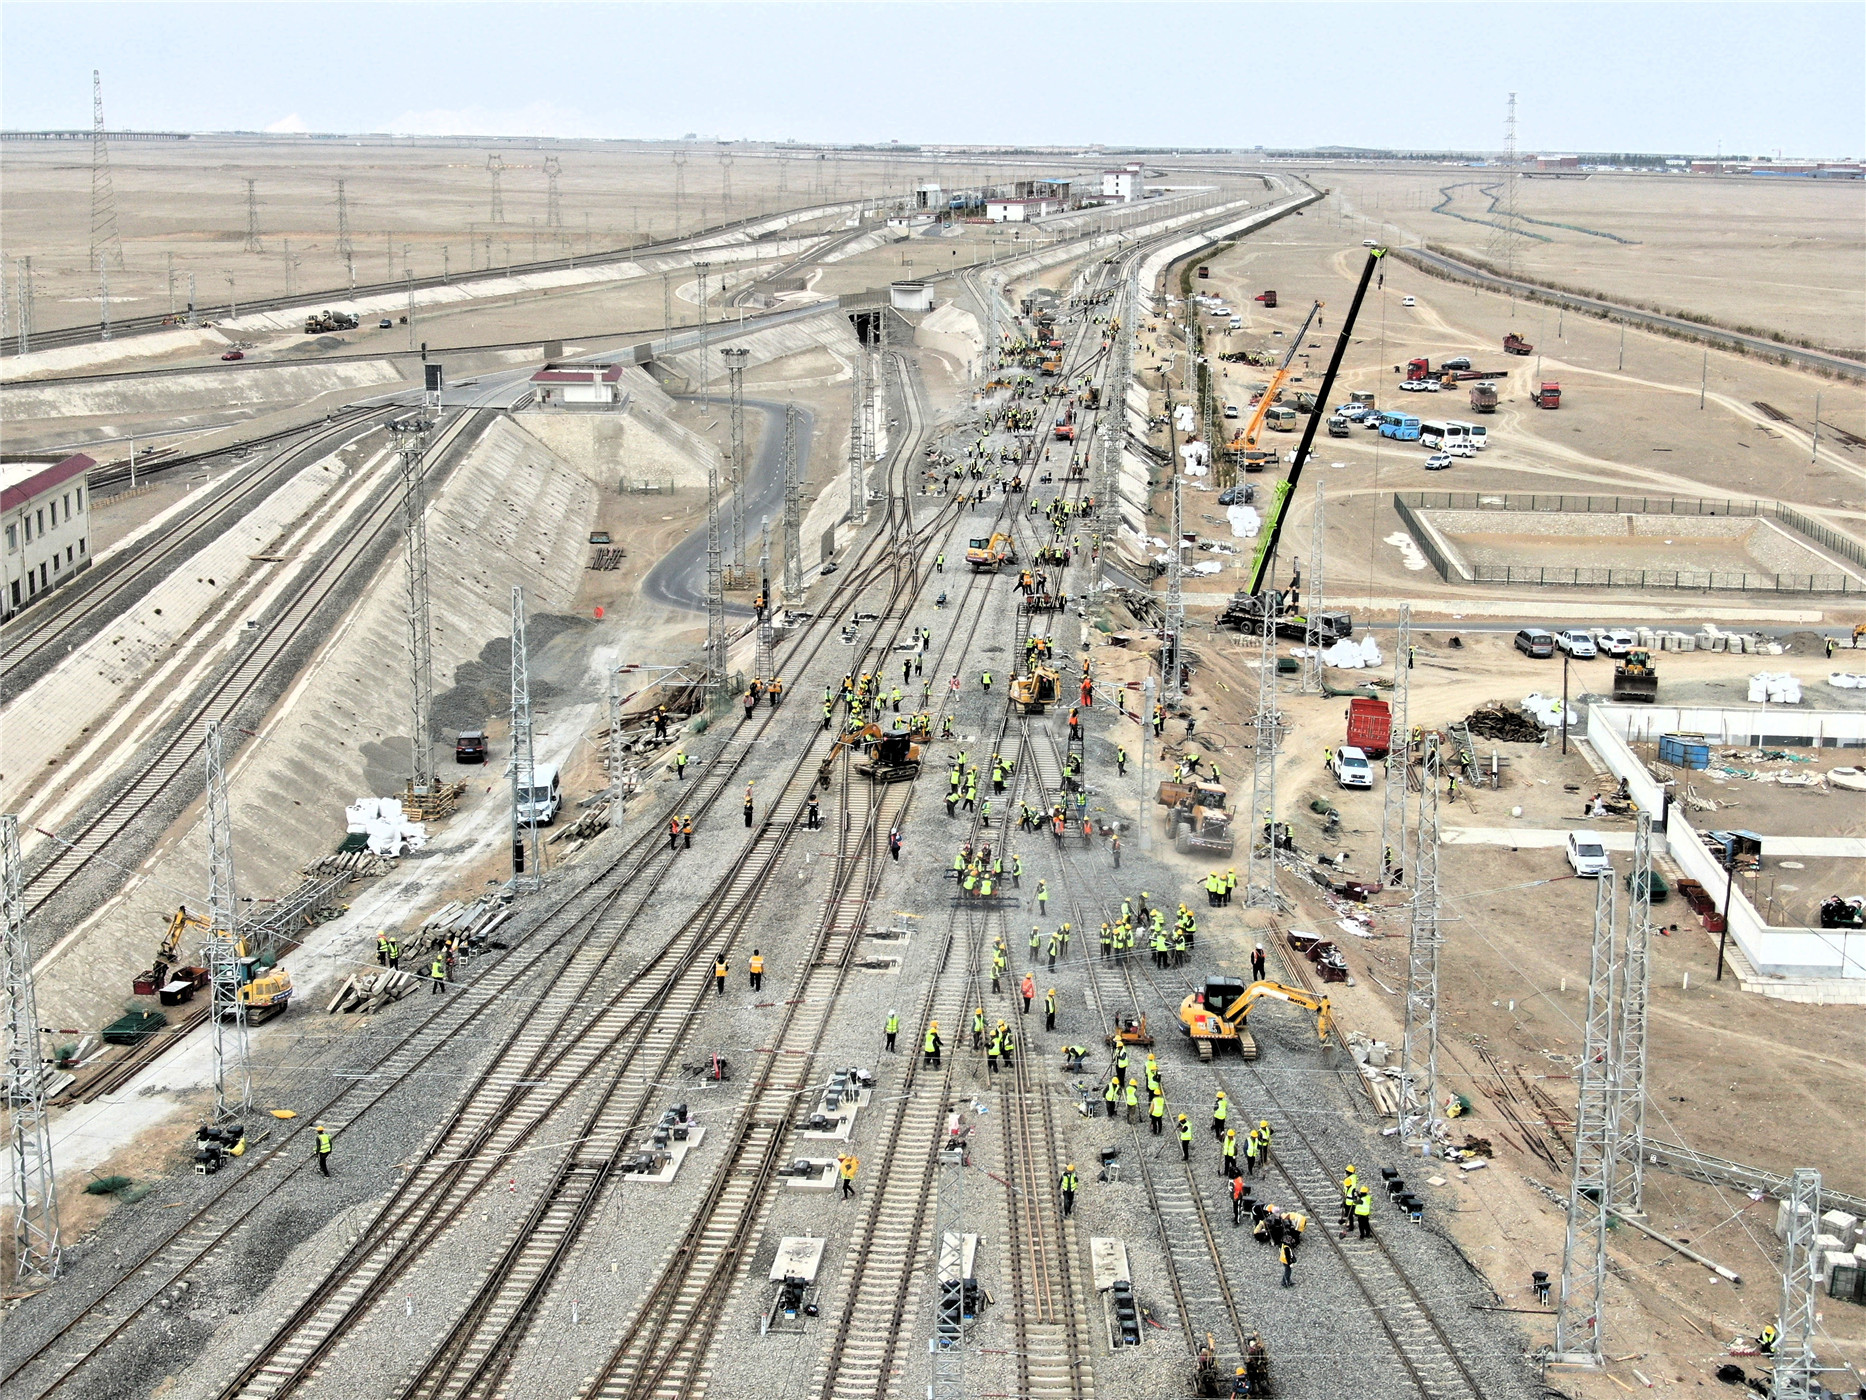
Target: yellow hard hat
1263, 1122
1350, 1166
933, 1026
1221, 1093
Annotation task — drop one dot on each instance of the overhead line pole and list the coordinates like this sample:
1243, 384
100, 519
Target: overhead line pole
32, 1186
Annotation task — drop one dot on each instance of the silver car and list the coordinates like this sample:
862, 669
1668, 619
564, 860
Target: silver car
1577, 644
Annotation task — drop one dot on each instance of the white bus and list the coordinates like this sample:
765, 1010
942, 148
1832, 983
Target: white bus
1436, 436
1475, 433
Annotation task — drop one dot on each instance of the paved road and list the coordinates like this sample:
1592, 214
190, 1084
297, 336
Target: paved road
1809, 359
679, 580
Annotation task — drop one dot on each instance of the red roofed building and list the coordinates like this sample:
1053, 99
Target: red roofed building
597, 386
45, 515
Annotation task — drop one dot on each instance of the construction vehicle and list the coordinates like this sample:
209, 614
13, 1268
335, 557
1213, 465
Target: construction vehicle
1130, 1031
1859, 630
1267, 298
329, 321
1338, 426
1091, 396
1417, 370
1634, 678
1484, 398
264, 992
993, 553
1196, 819
1273, 390
1216, 1015
1053, 365
1514, 344
891, 755
1066, 426
1245, 612
1370, 725
1032, 693
1305, 402
1205, 270
1548, 395
153, 979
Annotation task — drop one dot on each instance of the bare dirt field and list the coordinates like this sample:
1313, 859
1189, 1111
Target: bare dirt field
1785, 256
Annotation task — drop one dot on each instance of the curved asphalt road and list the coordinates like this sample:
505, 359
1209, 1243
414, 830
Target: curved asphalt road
679, 580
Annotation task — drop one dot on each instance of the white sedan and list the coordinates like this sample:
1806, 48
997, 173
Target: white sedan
1577, 644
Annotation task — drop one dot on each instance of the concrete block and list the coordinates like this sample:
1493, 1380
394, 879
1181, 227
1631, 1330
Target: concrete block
1824, 1241
1832, 1258
1782, 1217
1687, 642
1841, 1223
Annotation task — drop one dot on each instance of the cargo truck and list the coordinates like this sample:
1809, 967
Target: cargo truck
1370, 726
1514, 344
1483, 398
1548, 395
1267, 298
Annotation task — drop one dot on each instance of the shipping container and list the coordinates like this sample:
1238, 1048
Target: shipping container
1684, 750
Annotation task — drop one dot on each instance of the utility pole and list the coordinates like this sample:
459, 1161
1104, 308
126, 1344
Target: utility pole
1795, 1368
345, 249
717, 654
253, 243
171, 284
793, 509
680, 186
1590, 1189
1419, 1049
194, 316
706, 369
1260, 871
763, 665
948, 1343
32, 1188
291, 285
25, 305
1629, 1032
409, 274
1399, 751
411, 442
1312, 641
1175, 617
103, 298
106, 242
233, 1076
553, 203
735, 357
858, 487
527, 848
667, 313
725, 185
495, 168
1146, 742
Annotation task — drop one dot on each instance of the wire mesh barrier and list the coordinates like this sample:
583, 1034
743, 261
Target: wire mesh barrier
1407, 504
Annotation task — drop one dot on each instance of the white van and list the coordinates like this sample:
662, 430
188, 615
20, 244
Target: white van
1587, 856
540, 801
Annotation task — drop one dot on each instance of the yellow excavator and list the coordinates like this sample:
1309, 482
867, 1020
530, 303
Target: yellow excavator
1215, 1015
265, 992
1033, 692
892, 755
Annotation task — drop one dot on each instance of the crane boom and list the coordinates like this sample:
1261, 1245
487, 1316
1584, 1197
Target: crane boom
1277, 381
1273, 525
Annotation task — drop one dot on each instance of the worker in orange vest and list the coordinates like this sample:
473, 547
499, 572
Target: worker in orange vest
757, 970
1028, 991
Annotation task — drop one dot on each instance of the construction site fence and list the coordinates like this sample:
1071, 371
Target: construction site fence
1406, 503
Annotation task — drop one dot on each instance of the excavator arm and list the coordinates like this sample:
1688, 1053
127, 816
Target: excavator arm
1279, 503
1239, 1011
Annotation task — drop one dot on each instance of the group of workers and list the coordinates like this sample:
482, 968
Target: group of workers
1219, 888
770, 690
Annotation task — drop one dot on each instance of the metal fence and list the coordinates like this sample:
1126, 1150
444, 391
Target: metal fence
1406, 503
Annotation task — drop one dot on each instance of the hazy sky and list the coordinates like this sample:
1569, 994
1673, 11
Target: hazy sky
1756, 78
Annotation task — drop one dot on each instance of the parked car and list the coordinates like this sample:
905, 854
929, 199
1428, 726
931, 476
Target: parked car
1534, 641
1351, 768
1587, 856
1428, 386
1438, 462
234, 355
1461, 449
1353, 412
1231, 410
1577, 644
1369, 243
385, 324
1617, 641
470, 746
1408, 301
1455, 362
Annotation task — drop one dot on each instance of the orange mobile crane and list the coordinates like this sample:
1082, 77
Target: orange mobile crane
1277, 380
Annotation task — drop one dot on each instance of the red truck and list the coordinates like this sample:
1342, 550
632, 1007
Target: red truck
1267, 298
1548, 396
1514, 344
1370, 726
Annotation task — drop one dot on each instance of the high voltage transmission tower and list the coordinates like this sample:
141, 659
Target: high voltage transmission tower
762, 664
1419, 1049
735, 357
253, 243
680, 186
858, 487
1399, 757
106, 242
411, 441
1505, 231
1175, 624
949, 1299
232, 1070
1629, 1031
553, 200
793, 509
24, 306
495, 167
1260, 870
527, 848
1312, 640
345, 249
32, 1190
706, 369
1796, 1372
716, 649
1590, 1189
725, 185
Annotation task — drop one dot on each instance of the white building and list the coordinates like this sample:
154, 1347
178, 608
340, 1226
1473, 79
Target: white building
597, 386
1018, 211
46, 509
1123, 184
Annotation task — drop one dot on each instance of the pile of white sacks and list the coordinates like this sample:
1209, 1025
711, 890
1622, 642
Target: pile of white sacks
389, 830
1775, 689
